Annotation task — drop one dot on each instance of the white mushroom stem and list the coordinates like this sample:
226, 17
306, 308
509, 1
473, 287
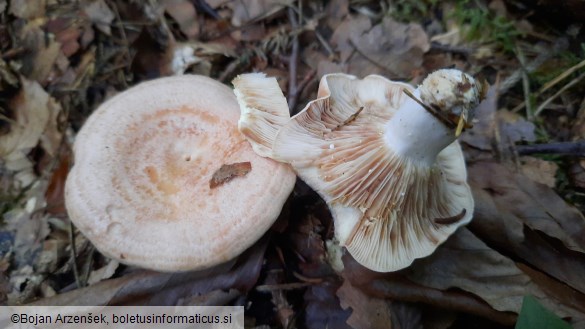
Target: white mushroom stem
403, 133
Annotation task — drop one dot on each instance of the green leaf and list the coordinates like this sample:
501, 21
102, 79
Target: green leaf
534, 316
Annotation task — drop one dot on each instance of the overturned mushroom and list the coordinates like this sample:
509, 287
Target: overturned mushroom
382, 154
142, 185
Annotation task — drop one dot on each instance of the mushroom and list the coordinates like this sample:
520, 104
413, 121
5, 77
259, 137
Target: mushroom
382, 154
164, 180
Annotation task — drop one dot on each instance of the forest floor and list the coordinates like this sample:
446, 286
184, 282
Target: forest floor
522, 256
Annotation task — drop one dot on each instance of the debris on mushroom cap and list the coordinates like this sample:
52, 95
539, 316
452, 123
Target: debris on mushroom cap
451, 90
392, 173
140, 187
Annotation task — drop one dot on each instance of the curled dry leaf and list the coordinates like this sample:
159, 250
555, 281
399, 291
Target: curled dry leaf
492, 127
250, 10
540, 171
42, 52
183, 12
397, 287
482, 134
530, 221
322, 307
305, 235
514, 128
392, 48
366, 312
28, 9
100, 14
155, 288
484, 272
228, 172
32, 109
577, 168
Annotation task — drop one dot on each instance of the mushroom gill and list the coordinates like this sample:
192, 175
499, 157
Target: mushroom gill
392, 174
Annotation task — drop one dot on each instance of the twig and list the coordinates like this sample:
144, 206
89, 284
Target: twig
553, 82
561, 44
451, 49
204, 7
74, 255
525, 83
324, 43
293, 63
573, 82
562, 148
282, 286
307, 279
229, 70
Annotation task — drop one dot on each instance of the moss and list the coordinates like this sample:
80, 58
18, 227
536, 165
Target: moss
486, 26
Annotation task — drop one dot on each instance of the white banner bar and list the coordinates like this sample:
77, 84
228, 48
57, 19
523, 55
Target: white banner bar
113, 317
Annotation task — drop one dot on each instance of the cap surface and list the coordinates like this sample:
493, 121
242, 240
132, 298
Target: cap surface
140, 187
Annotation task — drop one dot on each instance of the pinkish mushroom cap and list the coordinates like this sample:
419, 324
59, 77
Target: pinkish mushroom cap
143, 188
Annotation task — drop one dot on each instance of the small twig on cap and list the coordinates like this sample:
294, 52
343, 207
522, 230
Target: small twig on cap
350, 119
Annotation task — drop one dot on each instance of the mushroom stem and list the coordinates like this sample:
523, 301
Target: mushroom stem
403, 135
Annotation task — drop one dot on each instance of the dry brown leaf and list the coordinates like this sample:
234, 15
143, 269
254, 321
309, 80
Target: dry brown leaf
245, 11
528, 220
322, 310
351, 28
213, 298
100, 15
153, 288
482, 134
305, 238
335, 12
540, 171
498, 129
396, 286
514, 128
228, 172
28, 9
67, 31
8, 78
467, 263
390, 48
5, 286
42, 52
32, 107
184, 13
577, 174
366, 312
